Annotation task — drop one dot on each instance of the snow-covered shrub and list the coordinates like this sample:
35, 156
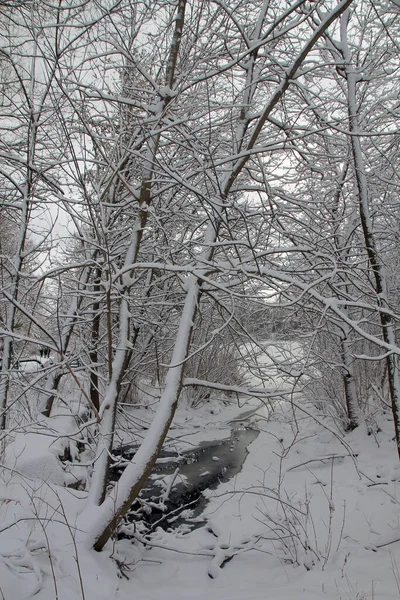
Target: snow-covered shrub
326, 386
218, 363
304, 532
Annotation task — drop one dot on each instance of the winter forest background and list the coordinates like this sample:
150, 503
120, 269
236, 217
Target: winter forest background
199, 204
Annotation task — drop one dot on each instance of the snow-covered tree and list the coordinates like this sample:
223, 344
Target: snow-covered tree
208, 160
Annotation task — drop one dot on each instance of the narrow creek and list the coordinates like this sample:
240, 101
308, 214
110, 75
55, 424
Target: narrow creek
173, 495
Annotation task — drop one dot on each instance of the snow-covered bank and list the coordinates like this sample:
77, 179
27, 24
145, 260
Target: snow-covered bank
309, 516
302, 520
191, 427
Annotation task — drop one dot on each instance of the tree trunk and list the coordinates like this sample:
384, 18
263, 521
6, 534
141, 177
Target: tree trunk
109, 407
94, 354
100, 519
378, 271
66, 333
17, 264
352, 407
99, 523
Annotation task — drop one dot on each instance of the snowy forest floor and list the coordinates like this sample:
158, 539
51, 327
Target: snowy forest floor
312, 514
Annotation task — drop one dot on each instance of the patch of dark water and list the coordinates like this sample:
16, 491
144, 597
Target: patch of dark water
173, 495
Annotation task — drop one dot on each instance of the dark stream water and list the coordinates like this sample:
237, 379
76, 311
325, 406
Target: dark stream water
173, 496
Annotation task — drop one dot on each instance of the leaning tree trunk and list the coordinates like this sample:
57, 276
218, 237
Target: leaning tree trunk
109, 406
378, 271
101, 517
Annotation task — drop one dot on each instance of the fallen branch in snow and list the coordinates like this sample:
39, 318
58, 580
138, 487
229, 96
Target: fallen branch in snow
256, 392
393, 498
383, 544
221, 553
322, 459
171, 514
262, 494
152, 544
377, 483
340, 439
35, 519
167, 492
387, 542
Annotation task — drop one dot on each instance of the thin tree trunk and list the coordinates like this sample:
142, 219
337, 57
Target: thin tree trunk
109, 407
66, 334
99, 522
14, 292
350, 390
94, 351
378, 271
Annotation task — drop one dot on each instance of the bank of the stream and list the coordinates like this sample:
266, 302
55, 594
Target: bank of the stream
173, 495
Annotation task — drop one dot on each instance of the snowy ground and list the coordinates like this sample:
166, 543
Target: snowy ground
310, 516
